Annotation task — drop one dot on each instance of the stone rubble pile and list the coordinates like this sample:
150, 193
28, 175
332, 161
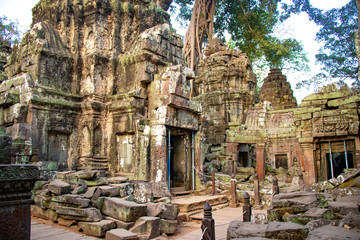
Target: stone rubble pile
287, 181
114, 208
327, 210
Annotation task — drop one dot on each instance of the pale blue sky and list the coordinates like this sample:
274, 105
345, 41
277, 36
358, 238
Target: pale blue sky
298, 27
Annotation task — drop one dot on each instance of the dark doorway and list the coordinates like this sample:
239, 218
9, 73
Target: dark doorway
243, 158
58, 147
281, 160
177, 161
339, 163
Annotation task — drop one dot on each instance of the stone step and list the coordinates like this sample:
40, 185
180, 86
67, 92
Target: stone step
193, 203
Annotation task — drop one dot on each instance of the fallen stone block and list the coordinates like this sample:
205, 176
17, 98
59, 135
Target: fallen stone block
317, 213
63, 175
97, 182
65, 222
59, 187
80, 187
342, 192
97, 229
169, 211
81, 214
123, 210
47, 214
143, 192
42, 201
149, 226
239, 229
110, 191
343, 208
286, 230
333, 233
118, 180
277, 214
300, 201
154, 209
72, 199
39, 185
162, 210
321, 222
90, 192
168, 226
352, 220
86, 175
120, 234
121, 224
125, 189
346, 176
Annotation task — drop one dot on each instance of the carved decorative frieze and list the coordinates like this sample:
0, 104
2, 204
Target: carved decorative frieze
17, 181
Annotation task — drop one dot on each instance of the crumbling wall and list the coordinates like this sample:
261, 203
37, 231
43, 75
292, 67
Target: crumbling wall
226, 90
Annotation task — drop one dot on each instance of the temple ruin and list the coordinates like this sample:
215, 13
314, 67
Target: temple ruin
104, 85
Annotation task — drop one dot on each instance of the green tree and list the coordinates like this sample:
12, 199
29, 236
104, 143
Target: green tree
251, 24
337, 34
9, 31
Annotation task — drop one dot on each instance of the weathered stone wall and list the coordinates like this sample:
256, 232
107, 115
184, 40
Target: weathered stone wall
226, 89
83, 88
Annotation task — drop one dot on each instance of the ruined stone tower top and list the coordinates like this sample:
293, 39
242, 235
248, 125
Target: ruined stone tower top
277, 90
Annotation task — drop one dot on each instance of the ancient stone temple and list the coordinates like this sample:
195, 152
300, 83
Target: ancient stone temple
98, 85
103, 85
320, 136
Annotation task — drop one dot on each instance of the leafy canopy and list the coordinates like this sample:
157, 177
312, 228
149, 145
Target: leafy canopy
9, 31
251, 24
337, 33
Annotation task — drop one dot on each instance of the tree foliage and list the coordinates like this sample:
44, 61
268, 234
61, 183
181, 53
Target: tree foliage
337, 33
9, 30
251, 24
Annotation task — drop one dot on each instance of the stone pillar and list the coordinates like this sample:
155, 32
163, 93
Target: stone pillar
301, 181
260, 160
256, 189
16, 183
247, 208
309, 163
208, 224
233, 202
275, 186
357, 152
234, 149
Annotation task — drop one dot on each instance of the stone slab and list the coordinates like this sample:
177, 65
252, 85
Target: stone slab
59, 187
333, 233
188, 204
239, 229
97, 229
286, 230
148, 226
120, 234
81, 214
123, 210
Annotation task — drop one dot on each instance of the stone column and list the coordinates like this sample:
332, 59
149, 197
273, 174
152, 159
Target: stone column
208, 223
16, 183
260, 160
234, 149
309, 163
233, 202
357, 153
256, 189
